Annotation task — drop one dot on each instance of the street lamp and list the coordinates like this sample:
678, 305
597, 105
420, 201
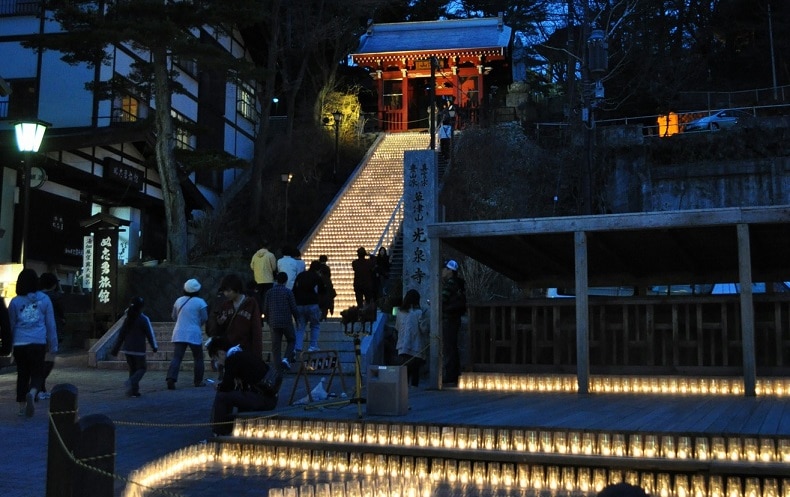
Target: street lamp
338, 119
28, 139
451, 113
286, 178
597, 65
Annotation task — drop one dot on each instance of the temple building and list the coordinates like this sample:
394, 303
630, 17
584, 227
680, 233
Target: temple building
472, 61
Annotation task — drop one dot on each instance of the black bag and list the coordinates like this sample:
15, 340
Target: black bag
271, 381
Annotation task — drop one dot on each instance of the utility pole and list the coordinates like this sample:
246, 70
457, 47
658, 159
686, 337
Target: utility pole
432, 103
773, 58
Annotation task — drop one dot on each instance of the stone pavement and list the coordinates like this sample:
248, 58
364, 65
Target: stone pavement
163, 421
142, 431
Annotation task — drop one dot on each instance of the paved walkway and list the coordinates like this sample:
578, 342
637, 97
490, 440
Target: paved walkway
163, 421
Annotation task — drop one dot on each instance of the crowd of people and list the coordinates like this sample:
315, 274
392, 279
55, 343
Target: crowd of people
292, 298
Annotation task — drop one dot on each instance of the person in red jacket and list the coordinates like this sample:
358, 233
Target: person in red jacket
239, 318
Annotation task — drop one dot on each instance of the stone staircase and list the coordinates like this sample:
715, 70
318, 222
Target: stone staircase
366, 213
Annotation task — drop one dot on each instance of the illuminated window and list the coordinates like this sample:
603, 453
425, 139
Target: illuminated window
245, 101
126, 110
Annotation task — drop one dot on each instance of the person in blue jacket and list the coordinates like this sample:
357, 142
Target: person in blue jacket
135, 330
35, 333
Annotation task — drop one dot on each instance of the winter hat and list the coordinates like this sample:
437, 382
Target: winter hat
192, 286
452, 265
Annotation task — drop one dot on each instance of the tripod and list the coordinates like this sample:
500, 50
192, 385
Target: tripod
357, 399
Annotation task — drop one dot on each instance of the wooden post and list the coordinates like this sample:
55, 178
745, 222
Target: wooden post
62, 436
96, 448
747, 311
582, 314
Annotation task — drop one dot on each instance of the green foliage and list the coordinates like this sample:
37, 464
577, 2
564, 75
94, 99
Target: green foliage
196, 160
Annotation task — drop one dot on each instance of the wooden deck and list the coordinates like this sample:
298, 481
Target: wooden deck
763, 416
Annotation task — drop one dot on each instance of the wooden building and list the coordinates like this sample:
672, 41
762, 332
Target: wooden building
710, 335
472, 61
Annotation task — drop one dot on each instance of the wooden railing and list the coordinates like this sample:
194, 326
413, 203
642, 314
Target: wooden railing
647, 335
393, 120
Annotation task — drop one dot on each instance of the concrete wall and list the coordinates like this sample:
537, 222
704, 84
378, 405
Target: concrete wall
160, 286
632, 184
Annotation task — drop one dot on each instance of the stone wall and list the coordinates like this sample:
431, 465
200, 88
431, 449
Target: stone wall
161, 285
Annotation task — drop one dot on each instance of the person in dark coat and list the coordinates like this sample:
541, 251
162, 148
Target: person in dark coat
239, 389
453, 308
382, 271
326, 301
308, 288
135, 331
364, 278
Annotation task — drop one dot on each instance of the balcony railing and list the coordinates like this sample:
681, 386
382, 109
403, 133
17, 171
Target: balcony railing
19, 7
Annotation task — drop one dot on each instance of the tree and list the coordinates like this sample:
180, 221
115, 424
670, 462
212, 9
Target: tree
305, 40
158, 31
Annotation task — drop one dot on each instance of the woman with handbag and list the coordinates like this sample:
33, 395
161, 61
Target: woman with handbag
190, 313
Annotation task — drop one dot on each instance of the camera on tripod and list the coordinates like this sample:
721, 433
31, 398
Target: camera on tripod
363, 316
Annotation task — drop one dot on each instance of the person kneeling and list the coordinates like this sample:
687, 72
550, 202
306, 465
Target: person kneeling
241, 386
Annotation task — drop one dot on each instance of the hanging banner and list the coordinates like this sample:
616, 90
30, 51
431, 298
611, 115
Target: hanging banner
105, 271
85, 280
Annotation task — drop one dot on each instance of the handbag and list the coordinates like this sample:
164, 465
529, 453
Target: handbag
271, 381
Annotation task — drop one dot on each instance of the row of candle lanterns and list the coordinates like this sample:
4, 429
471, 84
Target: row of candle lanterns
379, 475
670, 385
638, 445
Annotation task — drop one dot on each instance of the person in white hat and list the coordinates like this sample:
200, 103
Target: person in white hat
453, 307
190, 313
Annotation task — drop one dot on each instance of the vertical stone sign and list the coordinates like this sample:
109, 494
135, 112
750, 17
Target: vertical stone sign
419, 210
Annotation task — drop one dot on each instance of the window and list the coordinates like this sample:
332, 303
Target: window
20, 7
245, 101
188, 66
4, 107
21, 101
183, 136
126, 110
392, 94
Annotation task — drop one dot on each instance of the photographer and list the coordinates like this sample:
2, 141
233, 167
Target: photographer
241, 386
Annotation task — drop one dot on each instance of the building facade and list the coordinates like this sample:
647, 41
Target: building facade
98, 154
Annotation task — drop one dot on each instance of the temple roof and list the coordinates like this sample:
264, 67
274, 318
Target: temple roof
484, 36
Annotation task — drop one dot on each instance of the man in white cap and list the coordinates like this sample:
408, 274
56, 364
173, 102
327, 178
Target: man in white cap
453, 307
190, 313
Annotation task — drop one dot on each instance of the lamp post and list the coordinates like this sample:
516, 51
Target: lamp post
451, 113
286, 178
28, 139
338, 119
597, 64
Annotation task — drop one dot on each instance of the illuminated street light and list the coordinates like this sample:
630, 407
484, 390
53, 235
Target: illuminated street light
28, 139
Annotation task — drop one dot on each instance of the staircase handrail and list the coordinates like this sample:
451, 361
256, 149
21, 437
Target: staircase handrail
350, 181
389, 225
